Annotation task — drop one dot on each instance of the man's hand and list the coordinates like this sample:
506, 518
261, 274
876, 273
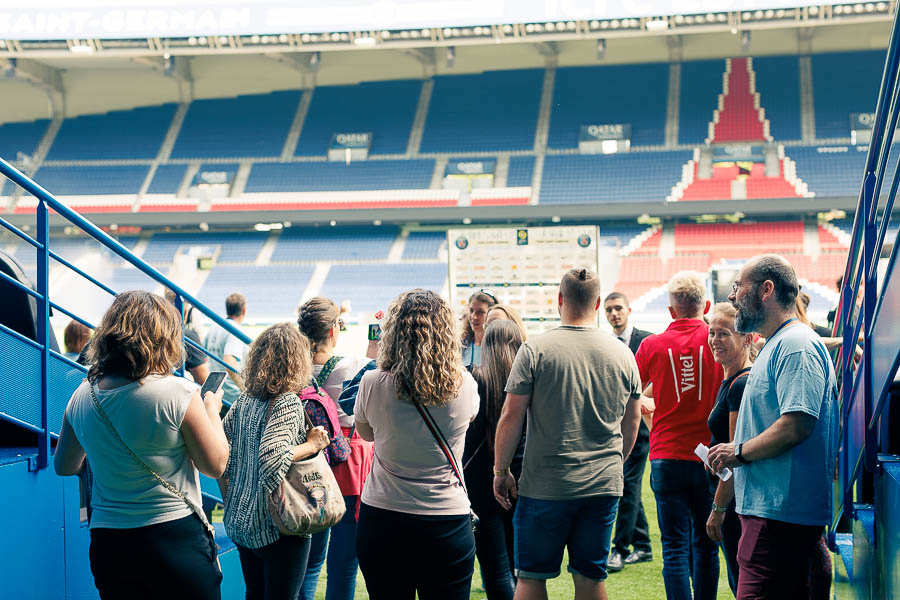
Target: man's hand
714, 525
721, 456
505, 489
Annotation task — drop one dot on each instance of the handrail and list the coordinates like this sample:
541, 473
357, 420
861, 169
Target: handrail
47, 202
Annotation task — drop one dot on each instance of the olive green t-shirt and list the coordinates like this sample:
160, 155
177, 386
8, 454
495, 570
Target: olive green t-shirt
579, 380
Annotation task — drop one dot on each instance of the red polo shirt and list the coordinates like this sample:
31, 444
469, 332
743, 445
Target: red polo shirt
685, 380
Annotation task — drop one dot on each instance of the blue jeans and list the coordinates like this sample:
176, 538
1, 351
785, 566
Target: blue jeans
683, 503
544, 528
341, 558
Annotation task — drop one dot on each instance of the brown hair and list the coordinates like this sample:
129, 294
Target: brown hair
420, 349
279, 361
139, 335
316, 318
502, 340
468, 334
580, 288
511, 315
803, 301
76, 336
235, 304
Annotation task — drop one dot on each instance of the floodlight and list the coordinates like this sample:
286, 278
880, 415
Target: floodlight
81, 48
555, 219
364, 41
601, 49
745, 41
451, 56
314, 59
657, 25
467, 221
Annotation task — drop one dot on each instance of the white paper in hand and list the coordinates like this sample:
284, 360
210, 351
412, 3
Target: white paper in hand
702, 453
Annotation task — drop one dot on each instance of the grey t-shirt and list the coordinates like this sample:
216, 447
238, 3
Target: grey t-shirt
579, 380
222, 344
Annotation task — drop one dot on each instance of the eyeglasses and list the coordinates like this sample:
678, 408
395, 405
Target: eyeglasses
739, 284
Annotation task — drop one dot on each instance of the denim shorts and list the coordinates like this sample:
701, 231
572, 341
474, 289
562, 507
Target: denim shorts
544, 528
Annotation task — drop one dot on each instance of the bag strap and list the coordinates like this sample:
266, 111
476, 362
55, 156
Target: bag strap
733, 381
441, 442
327, 369
162, 481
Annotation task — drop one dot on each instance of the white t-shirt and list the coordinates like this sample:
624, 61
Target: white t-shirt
410, 473
147, 415
345, 370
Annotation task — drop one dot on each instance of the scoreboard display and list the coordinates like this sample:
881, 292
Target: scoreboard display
521, 267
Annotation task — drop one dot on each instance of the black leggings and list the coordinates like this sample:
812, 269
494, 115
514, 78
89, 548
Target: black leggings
165, 560
401, 554
276, 571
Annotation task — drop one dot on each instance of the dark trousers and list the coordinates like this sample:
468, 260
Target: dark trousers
632, 531
775, 558
494, 548
402, 554
168, 559
275, 572
683, 502
731, 536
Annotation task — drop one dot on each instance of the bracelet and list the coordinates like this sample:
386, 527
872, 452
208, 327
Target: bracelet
501, 472
719, 509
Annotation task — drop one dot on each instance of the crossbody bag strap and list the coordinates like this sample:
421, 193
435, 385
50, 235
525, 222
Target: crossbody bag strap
441, 442
162, 480
327, 369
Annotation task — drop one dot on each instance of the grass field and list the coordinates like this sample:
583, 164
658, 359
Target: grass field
636, 582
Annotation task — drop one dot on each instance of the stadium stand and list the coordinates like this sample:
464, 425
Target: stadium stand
701, 84
228, 247
94, 180
495, 110
135, 134
254, 125
637, 177
384, 108
829, 171
739, 117
632, 94
21, 137
844, 83
424, 244
337, 176
298, 245
372, 287
273, 292
167, 179
521, 170
778, 84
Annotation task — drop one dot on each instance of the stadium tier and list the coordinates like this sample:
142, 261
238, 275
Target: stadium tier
829, 171
21, 137
236, 247
337, 176
167, 179
701, 84
273, 292
385, 109
424, 244
370, 288
334, 244
777, 82
521, 171
136, 133
844, 83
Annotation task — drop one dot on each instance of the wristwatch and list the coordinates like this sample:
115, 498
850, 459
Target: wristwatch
717, 508
501, 472
739, 454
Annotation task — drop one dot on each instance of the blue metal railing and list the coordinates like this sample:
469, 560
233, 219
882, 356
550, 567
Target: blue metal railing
47, 202
866, 308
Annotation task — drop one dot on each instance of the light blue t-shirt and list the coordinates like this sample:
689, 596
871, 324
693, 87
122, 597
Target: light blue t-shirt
793, 373
471, 355
221, 343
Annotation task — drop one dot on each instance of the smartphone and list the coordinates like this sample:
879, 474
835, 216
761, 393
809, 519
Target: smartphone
374, 332
213, 383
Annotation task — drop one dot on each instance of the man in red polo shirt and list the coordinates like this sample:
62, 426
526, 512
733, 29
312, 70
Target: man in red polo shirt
686, 379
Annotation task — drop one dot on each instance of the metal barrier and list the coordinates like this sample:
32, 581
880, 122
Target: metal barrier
46, 202
869, 309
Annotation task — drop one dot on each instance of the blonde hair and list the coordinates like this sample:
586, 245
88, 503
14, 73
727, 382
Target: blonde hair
419, 347
687, 293
140, 335
726, 309
279, 361
502, 340
511, 315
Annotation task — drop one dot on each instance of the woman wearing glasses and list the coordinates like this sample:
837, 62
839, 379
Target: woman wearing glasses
320, 321
480, 303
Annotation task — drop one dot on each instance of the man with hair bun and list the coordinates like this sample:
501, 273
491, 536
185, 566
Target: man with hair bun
685, 377
580, 390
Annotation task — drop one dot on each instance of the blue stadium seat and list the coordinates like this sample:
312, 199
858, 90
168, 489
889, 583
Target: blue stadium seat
701, 84
333, 243
424, 244
129, 278
136, 133
337, 176
88, 181
621, 234
372, 287
385, 108
167, 179
829, 174
844, 83
521, 170
632, 94
21, 137
637, 177
235, 247
273, 292
496, 110
231, 127
778, 84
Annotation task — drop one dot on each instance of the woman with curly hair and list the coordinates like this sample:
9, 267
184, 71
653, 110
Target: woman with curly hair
266, 428
480, 303
413, 506
132, 418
